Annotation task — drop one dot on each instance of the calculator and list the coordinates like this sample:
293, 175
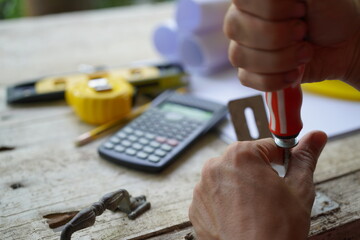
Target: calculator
154, 139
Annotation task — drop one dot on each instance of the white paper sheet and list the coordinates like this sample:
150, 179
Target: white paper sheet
333, 116
166, 40
200, 15
204, 53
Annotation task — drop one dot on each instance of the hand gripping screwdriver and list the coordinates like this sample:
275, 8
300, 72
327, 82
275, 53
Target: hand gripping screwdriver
285, 116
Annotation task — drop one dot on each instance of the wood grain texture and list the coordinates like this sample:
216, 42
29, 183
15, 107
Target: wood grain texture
45, 173
340, 156
53, 44
58, 177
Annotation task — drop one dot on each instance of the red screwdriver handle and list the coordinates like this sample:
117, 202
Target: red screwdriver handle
285, 112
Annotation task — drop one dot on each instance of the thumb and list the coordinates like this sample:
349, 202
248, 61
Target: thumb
304, 158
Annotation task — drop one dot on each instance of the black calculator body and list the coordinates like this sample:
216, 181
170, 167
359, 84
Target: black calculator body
153, 140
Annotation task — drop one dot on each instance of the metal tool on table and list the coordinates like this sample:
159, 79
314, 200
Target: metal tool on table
118, 200
285, 116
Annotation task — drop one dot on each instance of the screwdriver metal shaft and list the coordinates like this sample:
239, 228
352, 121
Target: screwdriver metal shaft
287, 156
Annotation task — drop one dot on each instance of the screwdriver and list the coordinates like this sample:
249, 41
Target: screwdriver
285, 116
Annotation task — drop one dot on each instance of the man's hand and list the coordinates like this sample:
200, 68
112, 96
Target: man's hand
270, 39
240, 196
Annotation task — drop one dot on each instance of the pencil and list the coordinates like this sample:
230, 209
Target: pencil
98, 131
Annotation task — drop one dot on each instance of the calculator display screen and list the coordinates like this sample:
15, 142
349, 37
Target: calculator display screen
189, 112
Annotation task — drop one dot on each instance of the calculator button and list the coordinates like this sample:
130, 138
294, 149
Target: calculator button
195, 124
134, 125
126, 143
188, 129
121, 135
132, 138
137, 146
166, 147
185, 122
160, 153
128, 130
166, 128
142, 127
148, 149
142, 155
179, 137
143, 141
153, 158
170, 135
115, 140
139, 133
174, 131
109, 145
172, 142
183, 135
119, 148
130, 151
161, 132
154, 144
160, 139
149, 135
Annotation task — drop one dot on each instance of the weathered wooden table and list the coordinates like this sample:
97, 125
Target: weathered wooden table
42, 172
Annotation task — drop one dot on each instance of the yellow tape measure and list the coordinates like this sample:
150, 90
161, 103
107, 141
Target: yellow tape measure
99, 98
333, 88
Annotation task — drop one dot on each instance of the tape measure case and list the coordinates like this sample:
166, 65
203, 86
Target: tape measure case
100, 98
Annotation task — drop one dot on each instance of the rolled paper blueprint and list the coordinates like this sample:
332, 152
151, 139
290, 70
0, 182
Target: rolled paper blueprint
166, 41
204, 53
200, 15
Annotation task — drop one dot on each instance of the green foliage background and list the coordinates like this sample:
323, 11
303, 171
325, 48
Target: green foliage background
16, 8
11, 9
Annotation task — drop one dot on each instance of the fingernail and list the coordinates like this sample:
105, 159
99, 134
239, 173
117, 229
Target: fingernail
304, 54
299, 31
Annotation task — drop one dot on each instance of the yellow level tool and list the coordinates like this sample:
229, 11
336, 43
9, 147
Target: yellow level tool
101, 96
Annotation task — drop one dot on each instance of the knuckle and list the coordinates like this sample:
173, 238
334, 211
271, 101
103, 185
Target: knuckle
241, 4
268, 83
245, 79
234, 55
308, 163
231, 26
239, 152
275, 39
261, 82
270, 11
209, 168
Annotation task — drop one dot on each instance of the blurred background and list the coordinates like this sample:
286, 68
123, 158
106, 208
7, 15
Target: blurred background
21, 8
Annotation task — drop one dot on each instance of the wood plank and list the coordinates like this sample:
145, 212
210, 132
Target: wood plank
60, 178
349, 231
46, 174
186, 233
53, 44
46, 169
345, 191
339, 157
